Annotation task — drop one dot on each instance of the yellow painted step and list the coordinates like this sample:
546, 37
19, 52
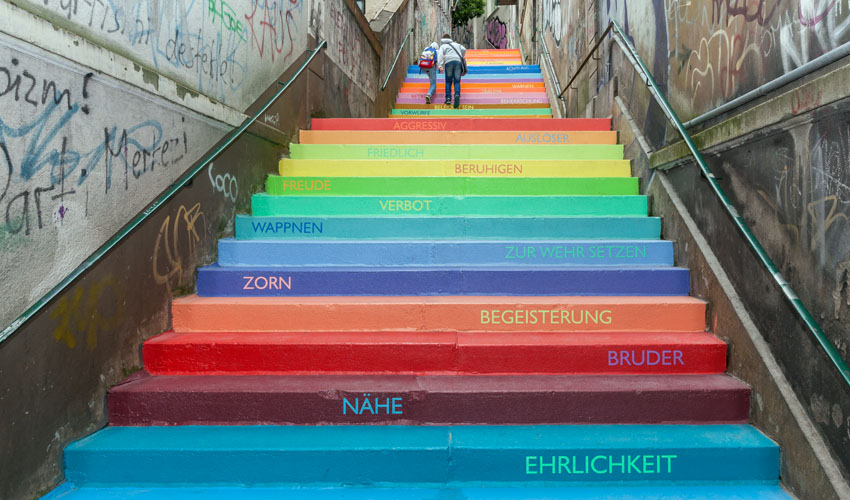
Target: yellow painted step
452, 168
456, 137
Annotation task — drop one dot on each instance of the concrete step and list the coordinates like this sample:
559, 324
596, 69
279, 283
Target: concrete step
504, 353
484, 78
365, 455
443, 313
233, 252
520, 68
523, 112
216, 281
266, 205
455, 152
456, 137
448, 168
427, 399
562, 124
447, 228
491, 99
451, 186
470, 85
413, 492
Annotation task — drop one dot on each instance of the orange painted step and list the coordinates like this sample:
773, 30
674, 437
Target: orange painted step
439, 313
462, 137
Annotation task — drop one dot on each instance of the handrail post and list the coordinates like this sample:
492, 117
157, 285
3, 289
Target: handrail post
392, 68
158, 202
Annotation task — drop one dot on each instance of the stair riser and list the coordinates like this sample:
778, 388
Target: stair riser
457, 138
525, 86
451, 186
435, 358
483, 78
214, 281
428, 455
317, 400
454, 152
522, 68
525, 253
376, 314
523, 112
440, 228
448, 168
527, 98
566, 124
263, 205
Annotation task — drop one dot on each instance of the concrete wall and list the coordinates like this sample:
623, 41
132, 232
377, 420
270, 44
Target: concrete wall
783, 161
92, 128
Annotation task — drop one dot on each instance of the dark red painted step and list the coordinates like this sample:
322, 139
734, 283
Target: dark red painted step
408, 399
188, 353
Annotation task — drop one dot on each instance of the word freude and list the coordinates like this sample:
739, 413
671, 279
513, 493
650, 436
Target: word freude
372, 406
546, 316
599, 464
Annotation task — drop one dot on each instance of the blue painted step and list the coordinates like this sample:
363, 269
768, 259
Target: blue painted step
519, 68
364, 455
215, 281
232, 252
634, 492
443, 228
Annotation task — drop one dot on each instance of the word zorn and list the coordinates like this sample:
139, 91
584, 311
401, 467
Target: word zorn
391, 406
266, 283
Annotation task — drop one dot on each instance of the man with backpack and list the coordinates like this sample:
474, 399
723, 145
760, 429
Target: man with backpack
428, 64
451, 58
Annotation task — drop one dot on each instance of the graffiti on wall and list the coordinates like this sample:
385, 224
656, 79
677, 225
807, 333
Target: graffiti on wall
553, 19
722, 49
79, 155
222, 49
496, 33
348, 47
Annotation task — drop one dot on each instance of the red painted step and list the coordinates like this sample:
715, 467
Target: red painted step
438, 123
190, 353
405, 399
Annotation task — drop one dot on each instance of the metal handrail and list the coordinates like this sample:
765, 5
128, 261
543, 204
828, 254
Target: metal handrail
153, 207
392, 68
814, 329
586, 59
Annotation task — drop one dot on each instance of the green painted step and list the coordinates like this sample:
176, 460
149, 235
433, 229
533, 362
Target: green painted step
270, 205
456, 152
474, 112
450, 186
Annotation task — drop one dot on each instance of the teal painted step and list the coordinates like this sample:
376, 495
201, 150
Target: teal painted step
450, 186
258, 253
456, 152
612, 206
366, 455
447, 228
474, 112
485, 492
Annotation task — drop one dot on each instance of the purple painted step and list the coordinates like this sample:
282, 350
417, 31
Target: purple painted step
512, 399
215, 281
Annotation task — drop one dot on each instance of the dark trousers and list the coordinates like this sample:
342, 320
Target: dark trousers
453, 71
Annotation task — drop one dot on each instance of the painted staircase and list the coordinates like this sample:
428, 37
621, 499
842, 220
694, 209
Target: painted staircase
427, 307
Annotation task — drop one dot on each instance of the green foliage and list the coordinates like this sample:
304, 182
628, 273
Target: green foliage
466, 10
